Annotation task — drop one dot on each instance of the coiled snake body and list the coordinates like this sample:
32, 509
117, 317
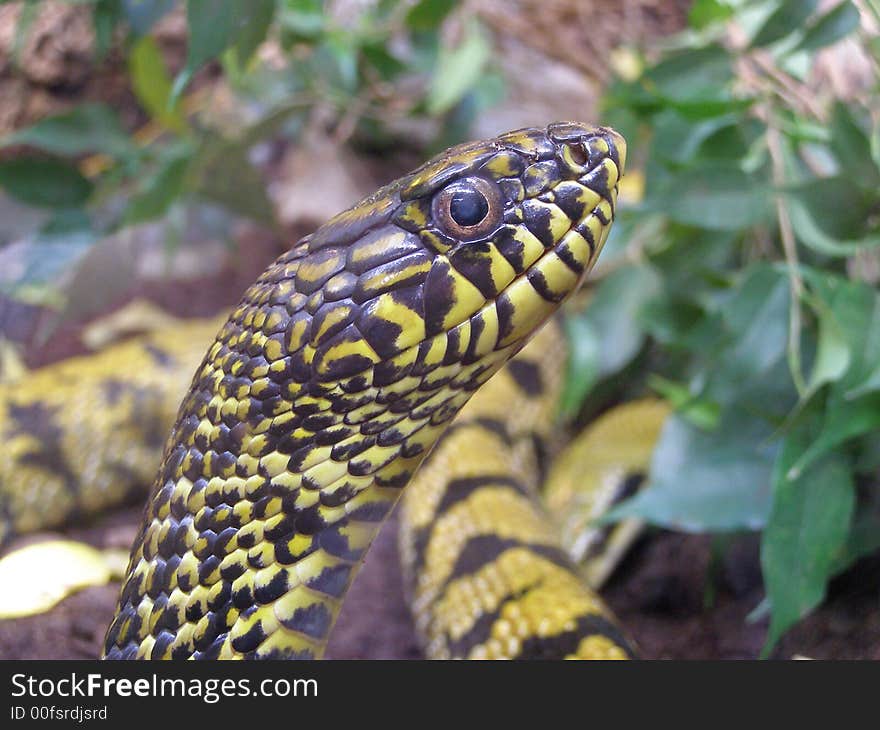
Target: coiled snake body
332, 381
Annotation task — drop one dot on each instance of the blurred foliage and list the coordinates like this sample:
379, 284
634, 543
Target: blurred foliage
742, 288
366, 76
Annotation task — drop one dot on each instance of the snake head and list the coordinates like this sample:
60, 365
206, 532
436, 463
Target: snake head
515, 223
480, 244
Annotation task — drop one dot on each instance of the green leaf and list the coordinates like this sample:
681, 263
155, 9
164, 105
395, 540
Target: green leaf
336, 55
833, 356
704, 13
613, 311
44, 183
694, 74
223, 174
708, 481
105, 17
851, 408
852, 148
715, 196
607, 335
670, 318
212, 25
702, 413
755, 315
679, 140
582, 369
707, 108
302, 19
160, 190
749, 365
844, 420
458, 69
789, 17
152, 86
870, 384
382, 59
836, 24
812, 235
85, 129
697, 83
427, 15
864, 534
807, 527
215, 25
253, 26
856, 307
838, 193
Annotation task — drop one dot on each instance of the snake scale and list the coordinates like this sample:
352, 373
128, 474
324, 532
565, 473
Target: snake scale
335, 377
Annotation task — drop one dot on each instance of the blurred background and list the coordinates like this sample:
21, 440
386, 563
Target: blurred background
162, 151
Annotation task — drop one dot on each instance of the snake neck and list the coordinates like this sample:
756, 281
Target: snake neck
335, 376
274, 484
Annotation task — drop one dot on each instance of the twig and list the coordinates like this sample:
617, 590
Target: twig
789, 247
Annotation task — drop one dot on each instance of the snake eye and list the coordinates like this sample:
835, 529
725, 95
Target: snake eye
468, 209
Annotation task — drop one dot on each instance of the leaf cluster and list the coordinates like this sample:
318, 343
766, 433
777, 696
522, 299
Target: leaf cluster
285, 65
740, 284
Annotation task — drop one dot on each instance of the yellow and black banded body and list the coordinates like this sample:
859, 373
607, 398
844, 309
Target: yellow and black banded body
602, 466
82, 435
335, 376
483, 564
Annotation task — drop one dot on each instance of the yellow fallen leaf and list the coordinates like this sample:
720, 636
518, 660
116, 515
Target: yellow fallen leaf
37, 576
116, 560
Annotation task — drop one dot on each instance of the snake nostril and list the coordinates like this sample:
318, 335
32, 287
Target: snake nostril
579, 154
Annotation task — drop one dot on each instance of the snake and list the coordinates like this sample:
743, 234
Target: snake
343, 369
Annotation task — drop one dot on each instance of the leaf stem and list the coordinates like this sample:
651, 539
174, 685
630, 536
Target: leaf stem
789, 247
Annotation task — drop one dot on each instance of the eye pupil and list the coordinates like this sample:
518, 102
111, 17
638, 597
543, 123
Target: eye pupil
468, 207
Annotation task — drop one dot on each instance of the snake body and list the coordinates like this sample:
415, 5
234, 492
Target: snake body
486, 571
331, 382
83, 434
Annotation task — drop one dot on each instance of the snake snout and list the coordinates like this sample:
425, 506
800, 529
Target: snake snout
617, 149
